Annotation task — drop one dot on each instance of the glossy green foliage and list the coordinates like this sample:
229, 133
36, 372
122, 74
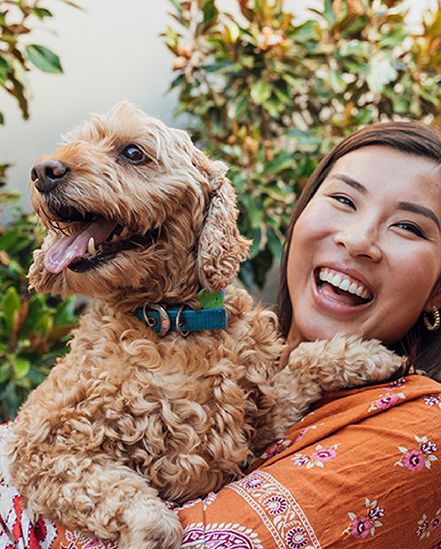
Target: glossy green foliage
34, 328
18, 19
271, 94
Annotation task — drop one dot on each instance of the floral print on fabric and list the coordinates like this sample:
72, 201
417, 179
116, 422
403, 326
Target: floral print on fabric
278, 510
433, 400
276, 448
208, 500
306, 430
386, 401
426, 526
418, 458
220, 536
397, 383
365, 524
18, 531
319, 457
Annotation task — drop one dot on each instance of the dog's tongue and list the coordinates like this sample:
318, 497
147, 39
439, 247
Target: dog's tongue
67, 248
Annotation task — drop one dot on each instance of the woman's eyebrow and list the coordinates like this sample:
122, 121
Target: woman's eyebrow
417, 208
351, 182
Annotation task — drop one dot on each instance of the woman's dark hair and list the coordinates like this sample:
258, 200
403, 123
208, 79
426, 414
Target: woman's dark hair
422, 347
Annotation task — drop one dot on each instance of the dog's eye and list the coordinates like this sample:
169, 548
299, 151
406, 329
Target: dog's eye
134, 154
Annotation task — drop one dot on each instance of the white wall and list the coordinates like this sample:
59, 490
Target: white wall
110, 51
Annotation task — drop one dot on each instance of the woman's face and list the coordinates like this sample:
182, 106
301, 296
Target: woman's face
365, 254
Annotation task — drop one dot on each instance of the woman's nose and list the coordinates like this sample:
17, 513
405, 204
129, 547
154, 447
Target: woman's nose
361, 240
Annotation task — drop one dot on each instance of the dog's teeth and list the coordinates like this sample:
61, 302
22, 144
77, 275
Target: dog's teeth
115, 237
91, 246
124, 232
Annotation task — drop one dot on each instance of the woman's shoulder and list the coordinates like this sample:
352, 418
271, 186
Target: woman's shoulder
363, 467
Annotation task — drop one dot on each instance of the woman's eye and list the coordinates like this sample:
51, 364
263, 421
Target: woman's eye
410, 227
133, 154
343, 200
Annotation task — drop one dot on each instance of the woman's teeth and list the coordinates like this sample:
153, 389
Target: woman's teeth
340, 281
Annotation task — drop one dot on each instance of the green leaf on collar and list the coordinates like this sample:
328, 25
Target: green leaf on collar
210, 300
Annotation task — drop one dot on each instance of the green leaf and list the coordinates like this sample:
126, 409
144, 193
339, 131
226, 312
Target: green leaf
329, 13
274, 244
246, 274
10, 401
209, 11
10, 303
44, 59
309, 30
41, 13
4, 372
337, 82
260, 91
21, 367
381, 72
73, 4
4, 65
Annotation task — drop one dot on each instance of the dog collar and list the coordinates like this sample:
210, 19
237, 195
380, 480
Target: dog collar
182, 319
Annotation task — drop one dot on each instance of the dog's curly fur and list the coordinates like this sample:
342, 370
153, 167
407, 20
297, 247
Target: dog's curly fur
127, 418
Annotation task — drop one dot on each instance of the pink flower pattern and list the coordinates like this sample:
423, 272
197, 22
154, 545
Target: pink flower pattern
320, 456
365, 524
361, 527
426, 526
433, 400
397, 383
326, 454
276, 448
417, 459
387, 400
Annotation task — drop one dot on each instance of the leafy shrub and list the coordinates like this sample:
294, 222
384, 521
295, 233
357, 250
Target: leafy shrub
16, 57
34, 328
271, 95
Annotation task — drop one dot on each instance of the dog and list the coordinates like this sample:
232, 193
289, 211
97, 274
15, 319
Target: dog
172, 383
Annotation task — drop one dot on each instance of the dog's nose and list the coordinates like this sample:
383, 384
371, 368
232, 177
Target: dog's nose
47, 175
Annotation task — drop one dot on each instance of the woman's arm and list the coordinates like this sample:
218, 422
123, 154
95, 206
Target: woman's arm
363, 469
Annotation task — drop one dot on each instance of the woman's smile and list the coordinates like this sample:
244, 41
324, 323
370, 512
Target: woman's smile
369, 236
336, 292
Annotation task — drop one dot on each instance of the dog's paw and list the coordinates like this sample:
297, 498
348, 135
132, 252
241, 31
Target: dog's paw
362, 362
150, 525
349, 361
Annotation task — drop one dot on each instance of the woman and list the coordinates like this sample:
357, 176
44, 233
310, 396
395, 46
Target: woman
363, 256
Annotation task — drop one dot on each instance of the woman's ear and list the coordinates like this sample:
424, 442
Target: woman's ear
434, 299
221, 247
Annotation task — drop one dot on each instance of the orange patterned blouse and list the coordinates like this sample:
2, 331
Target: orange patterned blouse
362, 469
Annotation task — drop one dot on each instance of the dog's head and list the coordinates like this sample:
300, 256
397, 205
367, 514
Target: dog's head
134, 209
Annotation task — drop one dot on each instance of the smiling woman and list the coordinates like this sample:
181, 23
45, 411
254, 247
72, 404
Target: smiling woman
363, 253
375, 231
363, 257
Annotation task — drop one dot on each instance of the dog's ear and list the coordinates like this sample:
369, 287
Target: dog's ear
221, 247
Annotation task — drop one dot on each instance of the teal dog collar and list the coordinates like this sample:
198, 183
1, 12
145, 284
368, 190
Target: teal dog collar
184, 319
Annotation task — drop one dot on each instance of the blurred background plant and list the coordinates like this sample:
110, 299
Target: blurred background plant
34, 328
271, 95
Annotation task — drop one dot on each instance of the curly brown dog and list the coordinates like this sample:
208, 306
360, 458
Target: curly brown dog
141, 221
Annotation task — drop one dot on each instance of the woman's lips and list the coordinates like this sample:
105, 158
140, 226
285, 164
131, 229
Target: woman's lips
339, 293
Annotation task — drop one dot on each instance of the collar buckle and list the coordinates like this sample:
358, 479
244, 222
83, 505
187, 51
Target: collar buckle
164, 319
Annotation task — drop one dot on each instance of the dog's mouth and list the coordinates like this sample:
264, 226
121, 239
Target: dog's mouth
88, 241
